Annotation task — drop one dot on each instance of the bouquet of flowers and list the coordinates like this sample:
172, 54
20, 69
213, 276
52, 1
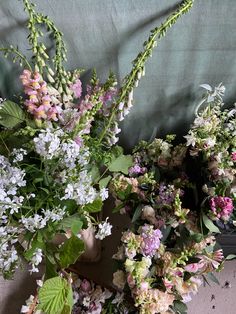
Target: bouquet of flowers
167, 251
58, 146
212, 143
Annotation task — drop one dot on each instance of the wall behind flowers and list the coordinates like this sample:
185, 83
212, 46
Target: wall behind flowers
108, 34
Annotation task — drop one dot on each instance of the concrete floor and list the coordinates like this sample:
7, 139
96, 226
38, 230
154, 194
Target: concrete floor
210, 300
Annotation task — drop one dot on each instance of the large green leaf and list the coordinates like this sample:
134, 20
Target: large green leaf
68, 222
94, 207
70, 251
54, 295
209, 224
11, 114
121, 164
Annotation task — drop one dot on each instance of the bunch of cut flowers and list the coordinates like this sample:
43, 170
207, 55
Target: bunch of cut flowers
166, 254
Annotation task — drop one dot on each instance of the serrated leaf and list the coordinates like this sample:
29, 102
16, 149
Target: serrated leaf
54, 295
121, 164
70, 251
94, 207
11, 114
104, 182
209, 224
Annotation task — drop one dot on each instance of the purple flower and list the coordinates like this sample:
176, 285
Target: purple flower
166, 195
136, 169
150, 240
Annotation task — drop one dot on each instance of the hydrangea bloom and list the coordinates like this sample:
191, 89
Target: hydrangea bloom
150, 240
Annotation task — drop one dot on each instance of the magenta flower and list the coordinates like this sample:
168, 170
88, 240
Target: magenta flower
222, 207
233, 156
150, 240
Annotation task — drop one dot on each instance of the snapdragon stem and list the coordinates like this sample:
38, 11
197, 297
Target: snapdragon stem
139, 62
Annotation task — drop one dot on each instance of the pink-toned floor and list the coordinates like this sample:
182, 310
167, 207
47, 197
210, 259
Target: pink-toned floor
210, 300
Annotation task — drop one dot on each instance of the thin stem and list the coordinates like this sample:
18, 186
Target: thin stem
18, 54
139, 62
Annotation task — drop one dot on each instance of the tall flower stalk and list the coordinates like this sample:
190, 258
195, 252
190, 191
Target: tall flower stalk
138, 70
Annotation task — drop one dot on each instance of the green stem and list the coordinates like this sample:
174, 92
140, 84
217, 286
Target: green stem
18, 54
139, 62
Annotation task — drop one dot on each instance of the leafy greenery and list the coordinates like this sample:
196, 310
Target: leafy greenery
11, 114
209, 224
70, 251
121, 164
55, 296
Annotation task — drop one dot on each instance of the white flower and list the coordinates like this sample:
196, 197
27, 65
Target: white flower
104, 194
86, 301
36, 260
82, 190
26, 308
209, 142
18, 154
47, 143
191, 140
104, 230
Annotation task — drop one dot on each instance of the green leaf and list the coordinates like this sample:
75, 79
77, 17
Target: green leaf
94, 172
66, 223
50, 271
197, 237
121, 164
137, 213
230, 256
180, 307
54, 295
70, 251
94, 207
213, 278
11, 114
118, 208
76, 227
209, 224
104, 182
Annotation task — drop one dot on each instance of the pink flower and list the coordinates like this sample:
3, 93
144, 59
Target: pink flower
233, 156
77, 88
192, 268
39, 102
85, 286
222, 207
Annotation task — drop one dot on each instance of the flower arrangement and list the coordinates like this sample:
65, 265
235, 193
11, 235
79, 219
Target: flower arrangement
175, 212
58, 153
60, 161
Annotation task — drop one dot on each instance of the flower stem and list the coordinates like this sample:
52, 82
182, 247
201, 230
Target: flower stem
138, 64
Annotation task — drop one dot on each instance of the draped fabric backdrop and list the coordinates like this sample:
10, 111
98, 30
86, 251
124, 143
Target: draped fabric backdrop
108, 34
